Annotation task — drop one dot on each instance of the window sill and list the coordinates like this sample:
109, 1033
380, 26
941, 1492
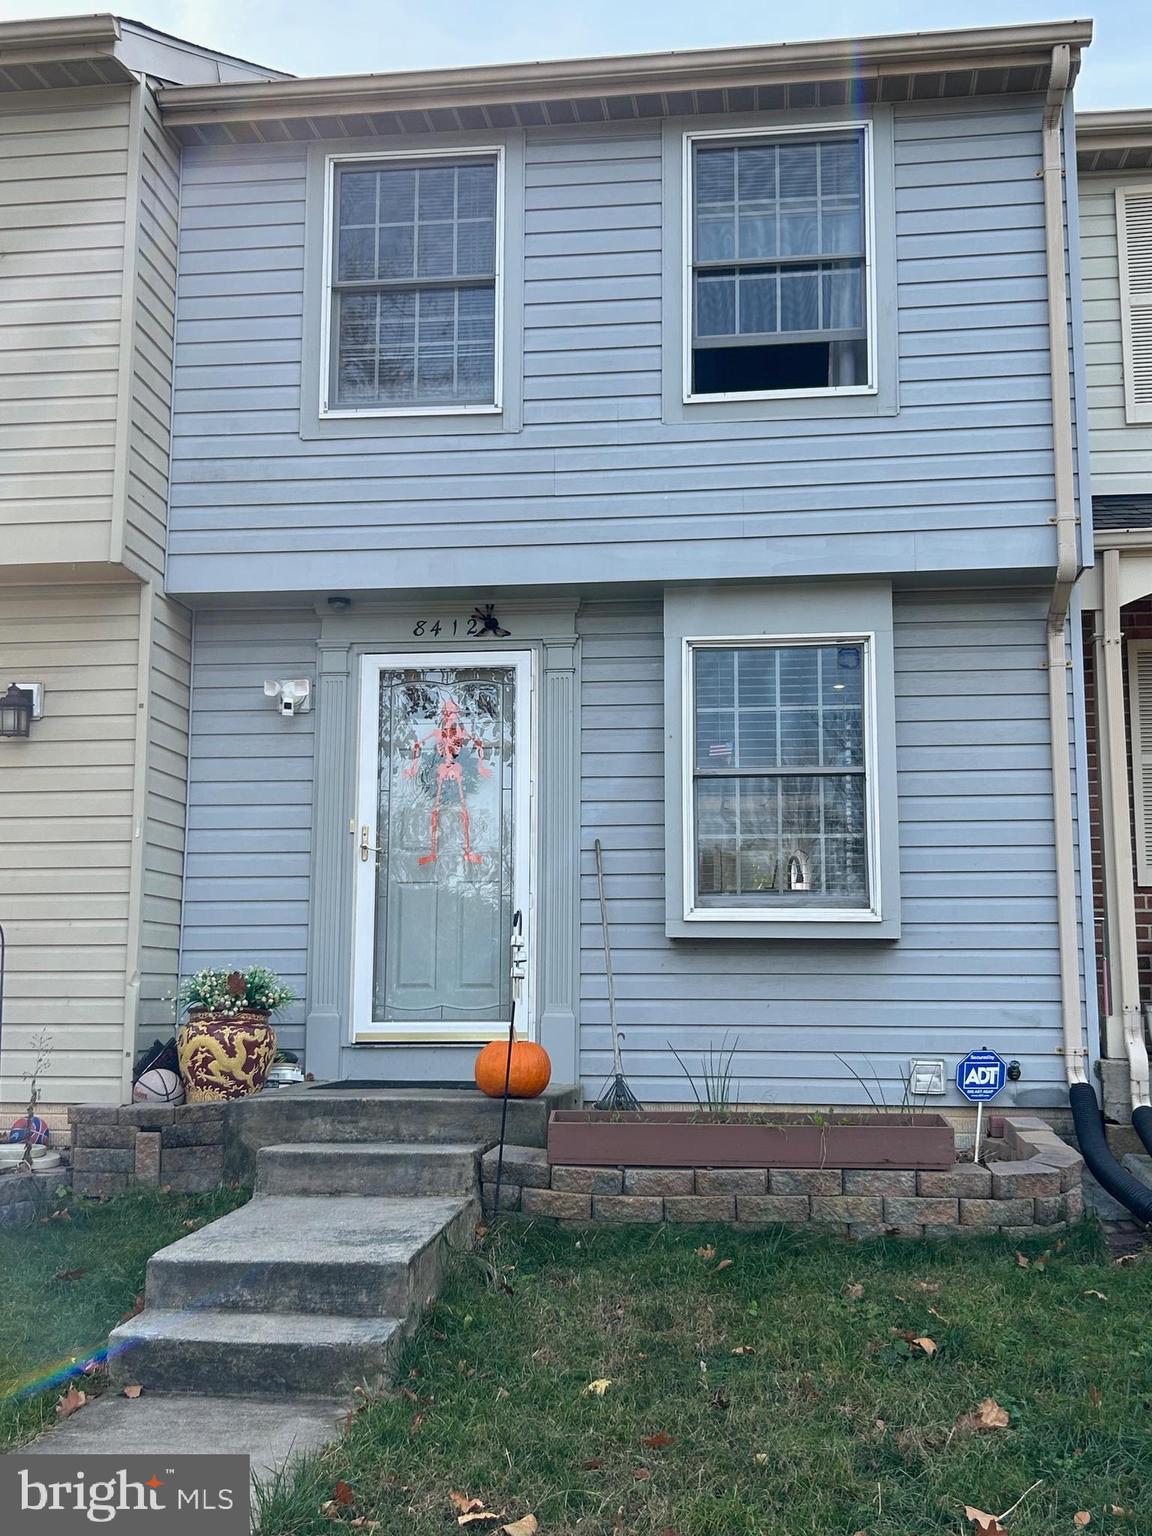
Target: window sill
833, 393
392, 413
772, 915
828, 924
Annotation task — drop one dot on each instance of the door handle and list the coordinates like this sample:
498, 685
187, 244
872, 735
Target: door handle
367, 848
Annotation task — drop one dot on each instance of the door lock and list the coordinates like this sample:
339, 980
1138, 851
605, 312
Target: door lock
367, 848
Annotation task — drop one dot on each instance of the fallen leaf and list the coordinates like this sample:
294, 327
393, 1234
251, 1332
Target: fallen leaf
1118, 1509
988, 1524
72, 1401
1094, 1395
596, 1388
69, 1274
723, 1264
1099, 1295
593, 1464
502, 1392
707, 1252
990, 1415
330, 1509
476, 1514
1081, 1518
1023, 1262
657, 1441
929, 1287
527, 1526
929, 1346
744, 1349
138, 1306
641, 1474
191, 1226
464, 1504
343, 1494
854, 1291
761, 1458
133, 1392
362, 1523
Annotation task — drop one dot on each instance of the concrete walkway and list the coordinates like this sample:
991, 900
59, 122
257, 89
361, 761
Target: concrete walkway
272, 1431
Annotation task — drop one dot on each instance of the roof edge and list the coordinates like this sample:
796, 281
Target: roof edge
966, 47
1119, 128
42, 39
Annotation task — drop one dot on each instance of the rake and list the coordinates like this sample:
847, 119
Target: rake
617, 1094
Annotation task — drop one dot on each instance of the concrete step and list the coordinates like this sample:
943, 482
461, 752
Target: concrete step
456, 1116
350, 1256
368, 1168
243, 1354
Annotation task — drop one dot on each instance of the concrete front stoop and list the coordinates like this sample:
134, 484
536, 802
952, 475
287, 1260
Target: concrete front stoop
257, 1328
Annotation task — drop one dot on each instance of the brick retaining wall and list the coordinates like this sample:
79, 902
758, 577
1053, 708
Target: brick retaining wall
1031, 1183
25, 1196
181, 1146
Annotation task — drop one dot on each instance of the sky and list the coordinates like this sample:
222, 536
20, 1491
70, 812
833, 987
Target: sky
319, 37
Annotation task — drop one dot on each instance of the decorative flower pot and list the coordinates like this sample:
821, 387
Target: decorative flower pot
224, 1056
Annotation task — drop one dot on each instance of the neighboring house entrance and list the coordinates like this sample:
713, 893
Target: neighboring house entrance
443, 839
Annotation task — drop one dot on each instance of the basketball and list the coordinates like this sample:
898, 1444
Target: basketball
158, 1086
39, 1130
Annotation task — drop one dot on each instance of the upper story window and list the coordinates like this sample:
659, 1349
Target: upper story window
779, 263
414, 284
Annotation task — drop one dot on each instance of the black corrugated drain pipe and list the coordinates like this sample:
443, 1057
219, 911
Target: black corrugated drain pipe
1142, 1124
1096, 1152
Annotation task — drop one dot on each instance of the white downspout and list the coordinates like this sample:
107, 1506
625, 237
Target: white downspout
1113, 751
1067, 563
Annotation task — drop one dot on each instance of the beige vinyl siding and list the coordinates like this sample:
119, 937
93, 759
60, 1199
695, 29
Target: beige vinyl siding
66, 799
1121, 449
166, 800
153, 324
63, 190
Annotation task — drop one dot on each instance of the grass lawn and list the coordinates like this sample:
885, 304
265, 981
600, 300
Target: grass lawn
48, 1320
773, 1394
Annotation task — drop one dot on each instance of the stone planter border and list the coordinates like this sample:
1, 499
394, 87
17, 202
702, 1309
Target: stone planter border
1030, 1184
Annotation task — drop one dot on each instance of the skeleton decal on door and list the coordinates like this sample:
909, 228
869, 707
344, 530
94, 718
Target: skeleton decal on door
451, 737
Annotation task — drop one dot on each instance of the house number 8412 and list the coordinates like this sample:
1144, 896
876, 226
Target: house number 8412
483, 622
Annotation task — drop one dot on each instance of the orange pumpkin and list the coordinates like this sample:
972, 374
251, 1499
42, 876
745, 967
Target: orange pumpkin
531, 1069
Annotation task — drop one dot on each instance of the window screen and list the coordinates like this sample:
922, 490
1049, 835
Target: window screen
414, 284
779, 782
778, 265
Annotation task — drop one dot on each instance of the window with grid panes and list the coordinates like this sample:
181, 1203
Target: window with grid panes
414, 284
779, 265
780, 808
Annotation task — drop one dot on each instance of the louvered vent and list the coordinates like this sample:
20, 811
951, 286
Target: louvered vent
1134, 208
1140, 690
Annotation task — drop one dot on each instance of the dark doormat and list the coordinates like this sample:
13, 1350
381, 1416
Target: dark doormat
386, 1082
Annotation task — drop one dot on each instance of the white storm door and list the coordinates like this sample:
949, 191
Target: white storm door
442, 844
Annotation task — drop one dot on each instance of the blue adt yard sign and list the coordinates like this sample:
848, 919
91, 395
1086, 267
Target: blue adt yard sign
981, 1076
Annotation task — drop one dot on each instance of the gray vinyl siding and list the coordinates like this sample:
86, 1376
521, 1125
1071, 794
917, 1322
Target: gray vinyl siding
153, 331
63, 188
165, 814
977, 960
596, 483
1121, 451
250, 802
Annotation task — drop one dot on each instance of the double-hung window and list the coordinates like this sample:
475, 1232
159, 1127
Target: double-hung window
779, 266
780, 794
414, 283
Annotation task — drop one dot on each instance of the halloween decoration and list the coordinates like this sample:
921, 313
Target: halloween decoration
450, 737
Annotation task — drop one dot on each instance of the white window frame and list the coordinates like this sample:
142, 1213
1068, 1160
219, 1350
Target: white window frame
461, 408
1135, 411
766, 135
871, 913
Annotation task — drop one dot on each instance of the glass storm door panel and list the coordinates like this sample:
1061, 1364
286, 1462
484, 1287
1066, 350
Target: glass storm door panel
440, 800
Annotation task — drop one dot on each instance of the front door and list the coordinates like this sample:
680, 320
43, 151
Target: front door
442, 832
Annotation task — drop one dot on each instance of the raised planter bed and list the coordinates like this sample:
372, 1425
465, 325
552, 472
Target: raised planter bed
692, 1139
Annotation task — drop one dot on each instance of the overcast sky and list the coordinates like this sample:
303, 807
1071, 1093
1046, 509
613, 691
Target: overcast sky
317, 37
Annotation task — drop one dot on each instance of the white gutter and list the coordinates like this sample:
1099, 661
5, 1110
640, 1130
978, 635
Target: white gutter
864, 58
1118, 834
1067, 565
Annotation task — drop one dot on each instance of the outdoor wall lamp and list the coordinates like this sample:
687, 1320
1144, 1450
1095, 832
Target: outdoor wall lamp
23, 703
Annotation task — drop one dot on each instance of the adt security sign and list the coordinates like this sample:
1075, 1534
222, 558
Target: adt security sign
981, 1076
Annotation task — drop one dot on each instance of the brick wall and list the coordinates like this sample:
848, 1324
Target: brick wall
1135, 624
